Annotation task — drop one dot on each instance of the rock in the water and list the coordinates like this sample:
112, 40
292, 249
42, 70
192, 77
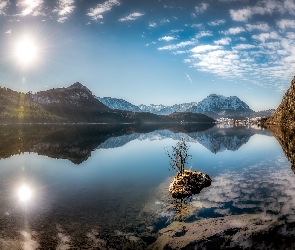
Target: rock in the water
189, 183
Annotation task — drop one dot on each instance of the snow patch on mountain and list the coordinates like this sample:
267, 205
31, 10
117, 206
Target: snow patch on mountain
120, 104
166, 110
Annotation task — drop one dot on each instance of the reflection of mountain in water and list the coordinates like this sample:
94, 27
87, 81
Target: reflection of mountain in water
115, 142
286, 137
218, 142
221, 139
76, 142
214, 139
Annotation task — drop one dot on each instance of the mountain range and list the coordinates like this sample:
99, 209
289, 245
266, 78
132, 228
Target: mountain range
76, 104
214, 106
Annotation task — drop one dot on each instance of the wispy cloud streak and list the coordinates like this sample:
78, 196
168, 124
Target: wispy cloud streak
131, 17
96, 13
65, 7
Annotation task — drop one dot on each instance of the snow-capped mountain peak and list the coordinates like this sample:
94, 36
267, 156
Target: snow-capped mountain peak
218, 103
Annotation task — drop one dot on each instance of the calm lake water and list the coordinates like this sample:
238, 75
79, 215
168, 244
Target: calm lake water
106, 187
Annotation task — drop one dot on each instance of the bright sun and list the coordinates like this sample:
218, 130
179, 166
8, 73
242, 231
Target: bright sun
26, 51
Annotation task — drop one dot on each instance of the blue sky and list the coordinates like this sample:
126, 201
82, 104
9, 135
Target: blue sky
156, 51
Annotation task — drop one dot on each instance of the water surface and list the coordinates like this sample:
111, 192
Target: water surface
107, 186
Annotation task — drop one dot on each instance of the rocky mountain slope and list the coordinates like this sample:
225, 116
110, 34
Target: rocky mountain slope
284, 115
76, 104
19, 107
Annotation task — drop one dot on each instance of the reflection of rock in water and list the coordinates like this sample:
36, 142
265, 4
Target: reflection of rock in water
182, 208
282, 123
286, 137
189, 183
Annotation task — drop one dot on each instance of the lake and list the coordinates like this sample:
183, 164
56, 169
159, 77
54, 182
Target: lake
107, 187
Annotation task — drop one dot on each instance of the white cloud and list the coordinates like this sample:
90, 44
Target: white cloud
164, 21
243, 39
252, 51
285, 23
152, 24
65, 7
3, 6
265, 36
271, 46
197, 25
244, 46
32, 7
203, 34
167, 38
201, 7
290, 6
260, 26
96, 13
241, 15
179, 52
177, 46
131, 17
234, 31
290, 35
62, 19
218, 61
217, 22
150, 43
223, 41
8, 32
205, 48
263, 7
176, 31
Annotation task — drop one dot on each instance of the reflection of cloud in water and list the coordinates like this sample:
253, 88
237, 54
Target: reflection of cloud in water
63, 239
95, 241
128, 236
28, 243
266, 188
254, 207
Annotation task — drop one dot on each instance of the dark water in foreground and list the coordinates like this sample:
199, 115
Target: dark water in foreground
102, 187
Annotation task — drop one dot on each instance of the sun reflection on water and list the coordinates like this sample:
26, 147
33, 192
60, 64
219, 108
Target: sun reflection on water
24, 193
